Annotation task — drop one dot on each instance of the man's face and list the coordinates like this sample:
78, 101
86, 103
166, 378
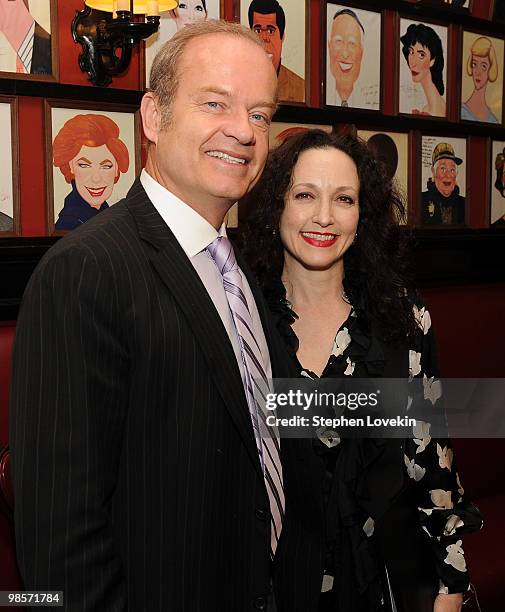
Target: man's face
266, 28
445, 175
215, 146
346, 50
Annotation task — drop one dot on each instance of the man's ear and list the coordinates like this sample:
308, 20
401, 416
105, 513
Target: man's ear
151, 116
432, 63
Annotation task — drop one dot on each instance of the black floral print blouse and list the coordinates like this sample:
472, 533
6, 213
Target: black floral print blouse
443, 512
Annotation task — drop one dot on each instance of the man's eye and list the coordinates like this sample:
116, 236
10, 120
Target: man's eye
259, 117
213, 104
271, 30
257, 29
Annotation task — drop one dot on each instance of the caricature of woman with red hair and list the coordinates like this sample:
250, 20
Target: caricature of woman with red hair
91, 156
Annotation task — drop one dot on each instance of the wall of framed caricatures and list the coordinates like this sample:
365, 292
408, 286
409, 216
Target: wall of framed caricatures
422, 81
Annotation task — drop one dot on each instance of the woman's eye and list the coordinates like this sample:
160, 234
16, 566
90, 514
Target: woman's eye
106, 166
303, 195
199, 8
83, 165
346, 199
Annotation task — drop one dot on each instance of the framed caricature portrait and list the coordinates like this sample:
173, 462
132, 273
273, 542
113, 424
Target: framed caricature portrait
423, 69
9, 168
497, 184
28, 39
464, 5
482, 78
443, 181
283, 27
392, 149
280, 131
352, 52
188, 11
92, 156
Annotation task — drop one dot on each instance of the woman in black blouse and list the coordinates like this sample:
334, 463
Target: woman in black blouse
323, 239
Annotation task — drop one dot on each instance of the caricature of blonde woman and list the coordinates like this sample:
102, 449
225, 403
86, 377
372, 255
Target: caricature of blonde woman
482, 66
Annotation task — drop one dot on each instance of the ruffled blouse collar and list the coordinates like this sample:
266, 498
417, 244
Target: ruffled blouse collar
356, 350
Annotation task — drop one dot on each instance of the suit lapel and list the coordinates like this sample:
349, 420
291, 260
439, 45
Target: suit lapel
178, 274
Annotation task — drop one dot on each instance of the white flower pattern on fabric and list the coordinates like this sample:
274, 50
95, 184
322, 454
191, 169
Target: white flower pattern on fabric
341, 342
445, 455
414, 364
409, 402
369, 526
453, 523
423, 318
455, 556
350, 367
442, 499
421, 435
461, 491
413, 470
432, 389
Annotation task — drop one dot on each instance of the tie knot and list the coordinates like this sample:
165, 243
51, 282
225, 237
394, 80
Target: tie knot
221, 251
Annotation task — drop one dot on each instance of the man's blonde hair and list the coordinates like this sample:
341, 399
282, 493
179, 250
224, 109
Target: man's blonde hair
165, 74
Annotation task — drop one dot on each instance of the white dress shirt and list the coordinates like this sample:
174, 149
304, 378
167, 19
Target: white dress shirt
194, 234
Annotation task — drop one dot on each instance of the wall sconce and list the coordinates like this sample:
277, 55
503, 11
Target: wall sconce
107, 31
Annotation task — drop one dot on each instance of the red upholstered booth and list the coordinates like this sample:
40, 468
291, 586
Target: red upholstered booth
9, 575
481, 464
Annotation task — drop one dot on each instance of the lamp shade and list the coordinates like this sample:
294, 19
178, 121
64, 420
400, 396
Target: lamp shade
139, 6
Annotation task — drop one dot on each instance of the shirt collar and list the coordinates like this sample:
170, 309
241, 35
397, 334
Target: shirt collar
192, 231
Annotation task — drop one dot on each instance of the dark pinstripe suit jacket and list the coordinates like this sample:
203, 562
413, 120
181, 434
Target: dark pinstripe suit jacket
137, 479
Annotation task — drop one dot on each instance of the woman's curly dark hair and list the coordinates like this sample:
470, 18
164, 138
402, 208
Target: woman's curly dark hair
427, 37
377, 281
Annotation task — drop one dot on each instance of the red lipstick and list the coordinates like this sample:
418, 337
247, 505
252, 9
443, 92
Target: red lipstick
321, 243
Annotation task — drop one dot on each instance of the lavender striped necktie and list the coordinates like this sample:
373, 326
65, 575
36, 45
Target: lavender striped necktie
255, 381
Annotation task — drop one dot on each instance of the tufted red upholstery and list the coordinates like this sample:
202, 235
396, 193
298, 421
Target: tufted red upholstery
9, 575
7, 330
482, 469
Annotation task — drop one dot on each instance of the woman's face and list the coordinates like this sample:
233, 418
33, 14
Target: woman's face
420, 62
480, 71
321, 209
188, 12
95, 170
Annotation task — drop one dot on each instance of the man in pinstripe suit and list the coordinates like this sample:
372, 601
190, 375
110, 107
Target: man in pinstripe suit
139, 483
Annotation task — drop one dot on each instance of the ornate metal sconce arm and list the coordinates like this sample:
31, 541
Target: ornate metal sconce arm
107, 43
